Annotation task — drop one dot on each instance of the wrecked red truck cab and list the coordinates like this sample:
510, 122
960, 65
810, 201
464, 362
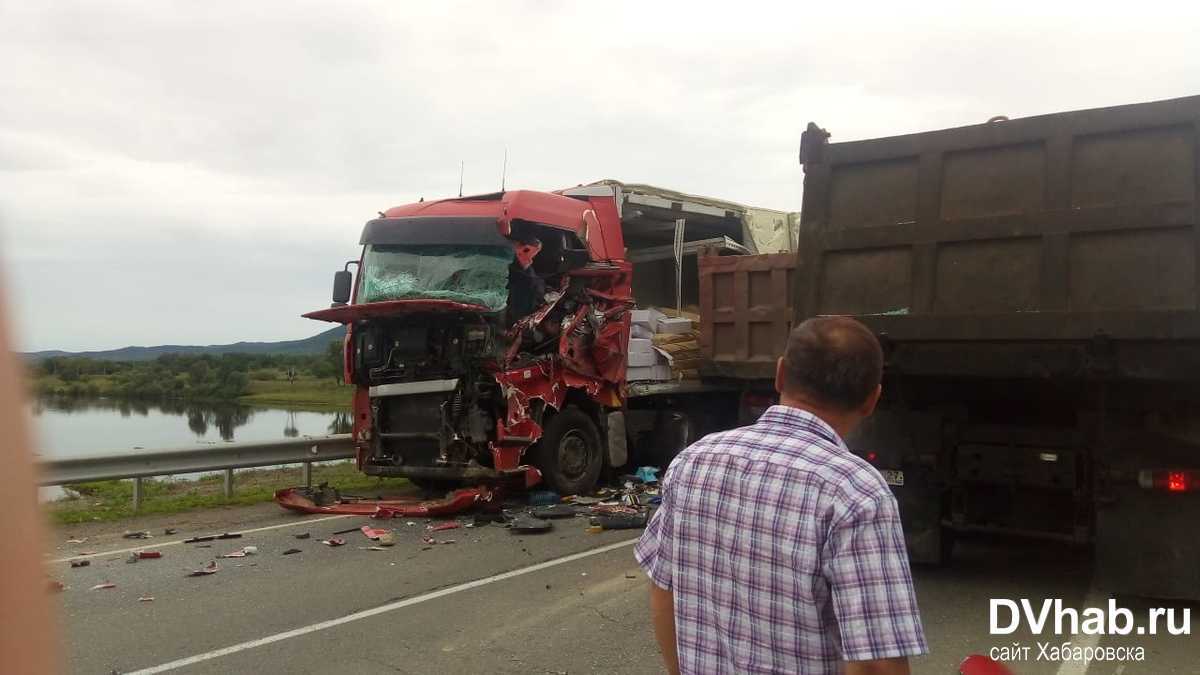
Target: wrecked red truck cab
486, 338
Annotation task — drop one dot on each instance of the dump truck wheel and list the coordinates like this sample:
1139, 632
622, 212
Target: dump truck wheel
569, 454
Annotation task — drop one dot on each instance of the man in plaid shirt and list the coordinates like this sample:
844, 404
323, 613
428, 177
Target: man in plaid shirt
775, 549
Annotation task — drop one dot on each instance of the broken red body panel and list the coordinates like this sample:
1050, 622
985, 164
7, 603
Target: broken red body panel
456, 502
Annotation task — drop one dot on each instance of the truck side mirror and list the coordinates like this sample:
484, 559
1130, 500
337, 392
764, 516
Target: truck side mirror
341, 287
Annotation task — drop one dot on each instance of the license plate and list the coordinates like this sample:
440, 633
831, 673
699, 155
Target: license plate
893, 477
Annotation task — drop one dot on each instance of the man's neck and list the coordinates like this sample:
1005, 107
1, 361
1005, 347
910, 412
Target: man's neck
841, 421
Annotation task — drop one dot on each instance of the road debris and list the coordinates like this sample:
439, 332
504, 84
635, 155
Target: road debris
143, 555
80, 563
543, 498
346, 531
554, 511
291, 551
213, 537
166, 533
647, 474
334, 542
525, 522
433, 542
104, 586
445, 525
136, 535
327, 500
230, 535
81, 540
211, 568
372, 532
235, 554
146, 598
371, 548
305, 535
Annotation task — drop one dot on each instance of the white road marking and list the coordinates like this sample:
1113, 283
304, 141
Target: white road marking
1083, 640
161, 544
382, 609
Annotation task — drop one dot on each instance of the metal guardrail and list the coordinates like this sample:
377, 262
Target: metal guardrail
138, 464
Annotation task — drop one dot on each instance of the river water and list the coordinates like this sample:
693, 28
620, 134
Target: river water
74, 427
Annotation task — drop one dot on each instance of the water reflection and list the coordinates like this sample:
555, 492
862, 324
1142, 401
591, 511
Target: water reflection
196, 421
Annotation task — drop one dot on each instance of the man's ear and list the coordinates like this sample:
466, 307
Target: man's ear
873, 400
780, 375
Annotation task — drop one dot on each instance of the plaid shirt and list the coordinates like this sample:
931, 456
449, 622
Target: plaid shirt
783, 551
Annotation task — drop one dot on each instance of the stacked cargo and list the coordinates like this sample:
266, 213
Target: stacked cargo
663, 345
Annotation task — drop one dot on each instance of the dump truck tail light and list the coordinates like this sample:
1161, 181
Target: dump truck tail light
1170, 480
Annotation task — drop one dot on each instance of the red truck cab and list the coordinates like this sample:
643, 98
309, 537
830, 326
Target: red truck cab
486, 338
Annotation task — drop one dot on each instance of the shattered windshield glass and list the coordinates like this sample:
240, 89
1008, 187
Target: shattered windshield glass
471, 274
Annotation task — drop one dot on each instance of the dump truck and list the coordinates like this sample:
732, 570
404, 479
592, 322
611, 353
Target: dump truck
488, 336
1034, 285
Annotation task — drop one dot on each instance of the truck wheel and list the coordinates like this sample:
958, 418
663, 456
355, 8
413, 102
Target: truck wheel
569, 454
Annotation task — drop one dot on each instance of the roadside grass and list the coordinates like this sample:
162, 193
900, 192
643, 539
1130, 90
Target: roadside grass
113, 499
311, 391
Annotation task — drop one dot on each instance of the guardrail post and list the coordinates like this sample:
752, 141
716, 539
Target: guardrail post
137, 493
228, 486
308, 474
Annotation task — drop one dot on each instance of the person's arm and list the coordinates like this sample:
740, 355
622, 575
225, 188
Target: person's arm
866, 566
662, 613
896, 666
654, 552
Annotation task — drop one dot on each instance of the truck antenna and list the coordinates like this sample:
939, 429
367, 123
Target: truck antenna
461, 165
504, 171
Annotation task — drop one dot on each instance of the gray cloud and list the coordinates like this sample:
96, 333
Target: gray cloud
183, 172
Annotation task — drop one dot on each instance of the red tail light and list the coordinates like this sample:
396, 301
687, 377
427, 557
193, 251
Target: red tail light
872, 456
1170, 480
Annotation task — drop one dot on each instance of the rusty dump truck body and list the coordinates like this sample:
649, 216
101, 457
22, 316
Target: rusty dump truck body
1034, 283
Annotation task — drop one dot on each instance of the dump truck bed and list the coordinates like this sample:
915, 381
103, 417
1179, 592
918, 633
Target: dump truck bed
1063, 228
1046, 228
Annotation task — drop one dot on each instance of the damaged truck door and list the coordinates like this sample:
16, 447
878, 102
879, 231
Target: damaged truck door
486, 340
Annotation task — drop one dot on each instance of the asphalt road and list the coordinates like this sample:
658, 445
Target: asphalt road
562, 602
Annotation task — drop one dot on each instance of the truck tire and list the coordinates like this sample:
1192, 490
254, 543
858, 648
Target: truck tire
569, 454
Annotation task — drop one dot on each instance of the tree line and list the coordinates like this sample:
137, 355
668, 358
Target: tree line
191, 377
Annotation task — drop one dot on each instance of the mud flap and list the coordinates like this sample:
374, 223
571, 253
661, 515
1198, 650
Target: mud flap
1146, 543
618, 442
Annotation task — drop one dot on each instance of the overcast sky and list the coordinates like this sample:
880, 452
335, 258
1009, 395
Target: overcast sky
194, 172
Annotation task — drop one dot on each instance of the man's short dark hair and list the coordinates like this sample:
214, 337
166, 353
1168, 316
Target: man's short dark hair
836, 361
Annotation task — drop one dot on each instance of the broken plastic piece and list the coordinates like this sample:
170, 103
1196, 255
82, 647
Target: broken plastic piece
82, 540
305, 535
334, 542
80, 563
146, 598
446, 525
621, 521
103, 586
554, 511
543, 497
235, 554
250, 550
290, 551
527, 523
647, 474
168, 532
136, 535
194, 540
230, 535
148, 555
373, 532
210, 568
371, 548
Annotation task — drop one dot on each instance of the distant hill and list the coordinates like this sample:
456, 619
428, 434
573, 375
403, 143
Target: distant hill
313, 345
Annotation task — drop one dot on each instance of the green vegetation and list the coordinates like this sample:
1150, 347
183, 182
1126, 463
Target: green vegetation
251, 378
113, 499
